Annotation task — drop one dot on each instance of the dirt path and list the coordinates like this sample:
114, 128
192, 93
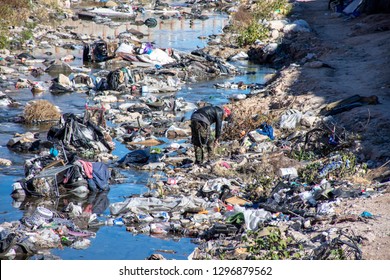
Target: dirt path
359, 52
358, 55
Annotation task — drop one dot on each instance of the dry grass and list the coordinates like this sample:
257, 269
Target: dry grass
14, 12
243, 17
41, 111
26, 14
244, 120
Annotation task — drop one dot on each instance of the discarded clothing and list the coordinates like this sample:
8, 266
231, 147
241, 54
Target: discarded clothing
266, 129
98, 51
101, 175
119, 77
88, 169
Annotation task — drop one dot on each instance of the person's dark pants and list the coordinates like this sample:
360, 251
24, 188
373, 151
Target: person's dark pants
201, 138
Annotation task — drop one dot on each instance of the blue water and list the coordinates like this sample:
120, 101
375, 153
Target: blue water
114, 242
206, 91
7, 211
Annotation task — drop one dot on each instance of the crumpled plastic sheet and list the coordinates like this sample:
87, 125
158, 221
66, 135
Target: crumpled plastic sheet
325, 209
150, 204
45, 238
177, 130
290, 119
81, 244
253, 216
329, 168
215, 185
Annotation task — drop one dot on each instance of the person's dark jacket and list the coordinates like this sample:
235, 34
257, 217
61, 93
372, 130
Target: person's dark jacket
210, 115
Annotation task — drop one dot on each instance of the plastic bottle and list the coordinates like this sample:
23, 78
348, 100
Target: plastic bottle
118, 222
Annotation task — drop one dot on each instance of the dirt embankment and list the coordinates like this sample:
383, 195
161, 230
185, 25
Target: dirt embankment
356, 56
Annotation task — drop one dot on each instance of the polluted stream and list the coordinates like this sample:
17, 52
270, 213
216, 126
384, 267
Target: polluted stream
112, 241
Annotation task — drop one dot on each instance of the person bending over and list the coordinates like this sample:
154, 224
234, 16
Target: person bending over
201, 121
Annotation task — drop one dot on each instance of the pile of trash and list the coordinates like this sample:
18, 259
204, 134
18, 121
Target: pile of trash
259, 184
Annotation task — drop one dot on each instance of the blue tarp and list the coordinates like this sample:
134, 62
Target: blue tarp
136, 156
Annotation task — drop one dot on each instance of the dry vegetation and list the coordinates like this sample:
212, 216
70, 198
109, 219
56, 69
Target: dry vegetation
26, 14
14, 12
245, 120
247, 20
41, 111
17, 12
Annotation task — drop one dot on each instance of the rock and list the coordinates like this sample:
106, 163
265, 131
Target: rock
300, 237
5, 100
240, 56
106, 98
308, 120
307, 224
59, 66
5, 52
277, 24
156, 257
5, 162
275, 34
110, 4
314, 64
174, 132
270, 48
240, 253
6, 70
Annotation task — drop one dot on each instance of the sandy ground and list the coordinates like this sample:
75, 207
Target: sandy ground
358, 53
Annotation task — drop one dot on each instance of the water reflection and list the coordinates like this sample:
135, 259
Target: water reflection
115, 243
182, 34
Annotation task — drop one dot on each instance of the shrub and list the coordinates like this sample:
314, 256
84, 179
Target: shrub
246, 21
26, 34
270, 244
4, 41
249, 35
